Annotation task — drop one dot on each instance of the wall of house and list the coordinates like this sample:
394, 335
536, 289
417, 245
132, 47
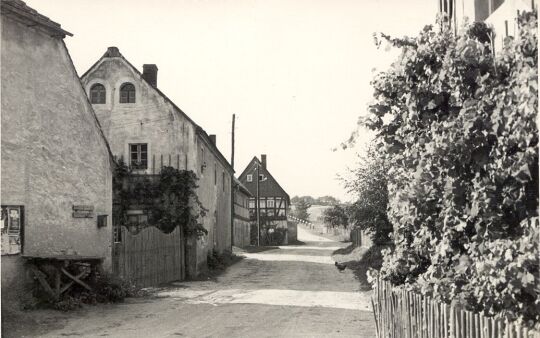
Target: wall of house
241, 219
169, 134
215, 194
53, 155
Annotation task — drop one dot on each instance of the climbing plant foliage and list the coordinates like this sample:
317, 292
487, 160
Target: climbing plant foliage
169, 199
456, 127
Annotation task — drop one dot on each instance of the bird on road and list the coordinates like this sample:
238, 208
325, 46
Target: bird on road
340, 266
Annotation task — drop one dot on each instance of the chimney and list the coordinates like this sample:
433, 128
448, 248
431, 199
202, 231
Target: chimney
150, 74
263, 160
212, 138
112, 52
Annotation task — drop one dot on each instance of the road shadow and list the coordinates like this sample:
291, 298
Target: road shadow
344, 251
256, 249
297, 242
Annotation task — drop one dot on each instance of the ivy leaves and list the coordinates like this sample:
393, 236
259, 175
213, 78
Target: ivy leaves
456, 129
169, 199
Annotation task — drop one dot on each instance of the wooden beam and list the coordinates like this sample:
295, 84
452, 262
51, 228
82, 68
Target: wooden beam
41, 278
76, 279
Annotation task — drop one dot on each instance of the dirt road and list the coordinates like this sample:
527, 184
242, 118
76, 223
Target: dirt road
292, 291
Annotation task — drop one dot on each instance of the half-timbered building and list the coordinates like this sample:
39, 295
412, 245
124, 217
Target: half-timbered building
270, 202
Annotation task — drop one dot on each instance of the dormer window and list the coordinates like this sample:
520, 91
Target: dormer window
127, 93
97, 94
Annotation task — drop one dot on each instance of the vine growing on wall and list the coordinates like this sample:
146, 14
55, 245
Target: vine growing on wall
169, 200
457, 129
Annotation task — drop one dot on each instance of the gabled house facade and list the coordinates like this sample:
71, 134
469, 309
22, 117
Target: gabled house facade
56, 166
146, 129
273, 200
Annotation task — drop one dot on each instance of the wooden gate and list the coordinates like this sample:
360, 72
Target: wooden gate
150, 257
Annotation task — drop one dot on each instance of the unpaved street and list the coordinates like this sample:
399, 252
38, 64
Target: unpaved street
292, 291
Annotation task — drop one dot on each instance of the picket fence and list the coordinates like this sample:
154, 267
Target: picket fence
404, 314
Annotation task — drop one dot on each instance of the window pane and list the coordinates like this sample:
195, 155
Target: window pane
262, 204
250, 178
127, 93
97, 93
252, 204
270, 203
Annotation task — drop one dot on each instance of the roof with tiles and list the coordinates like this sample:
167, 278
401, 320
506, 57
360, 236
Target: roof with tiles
20, 11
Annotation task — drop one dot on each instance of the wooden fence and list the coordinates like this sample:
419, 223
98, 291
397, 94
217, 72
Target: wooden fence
150, 257
342, 234
400, 313
361, 238
241, 233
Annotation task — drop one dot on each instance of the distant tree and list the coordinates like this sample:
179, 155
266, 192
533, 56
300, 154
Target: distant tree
301, 209
369, 184
323, 200
336, 216
327, 200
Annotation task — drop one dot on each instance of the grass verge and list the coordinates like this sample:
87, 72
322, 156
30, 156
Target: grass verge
359, 260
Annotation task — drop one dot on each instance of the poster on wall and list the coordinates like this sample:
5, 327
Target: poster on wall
11, 217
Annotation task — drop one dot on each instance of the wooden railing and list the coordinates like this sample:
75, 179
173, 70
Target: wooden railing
401, 313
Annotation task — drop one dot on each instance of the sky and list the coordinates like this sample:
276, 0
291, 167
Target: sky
296, 73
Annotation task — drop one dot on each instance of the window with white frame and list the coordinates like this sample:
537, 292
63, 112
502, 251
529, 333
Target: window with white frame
138, 155
249, 178
270, 203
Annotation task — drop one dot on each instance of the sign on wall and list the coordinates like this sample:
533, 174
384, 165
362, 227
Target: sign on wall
83, 211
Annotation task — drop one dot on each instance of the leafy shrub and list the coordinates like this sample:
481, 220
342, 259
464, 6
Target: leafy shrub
220, 261
68, 303
215, 261
456, 128
276, 236
110, 289
105, 289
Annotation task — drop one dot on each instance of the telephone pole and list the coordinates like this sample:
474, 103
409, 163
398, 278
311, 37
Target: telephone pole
232, 143
258, 211
232, 183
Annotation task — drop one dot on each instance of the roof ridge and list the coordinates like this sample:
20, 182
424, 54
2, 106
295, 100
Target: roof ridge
115, 52
20, 9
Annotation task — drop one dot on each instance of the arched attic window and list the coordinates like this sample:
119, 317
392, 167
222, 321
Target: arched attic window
97, 93
127, 93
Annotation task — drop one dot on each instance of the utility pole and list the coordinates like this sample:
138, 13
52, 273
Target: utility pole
258, 211
232, 143
232, 183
